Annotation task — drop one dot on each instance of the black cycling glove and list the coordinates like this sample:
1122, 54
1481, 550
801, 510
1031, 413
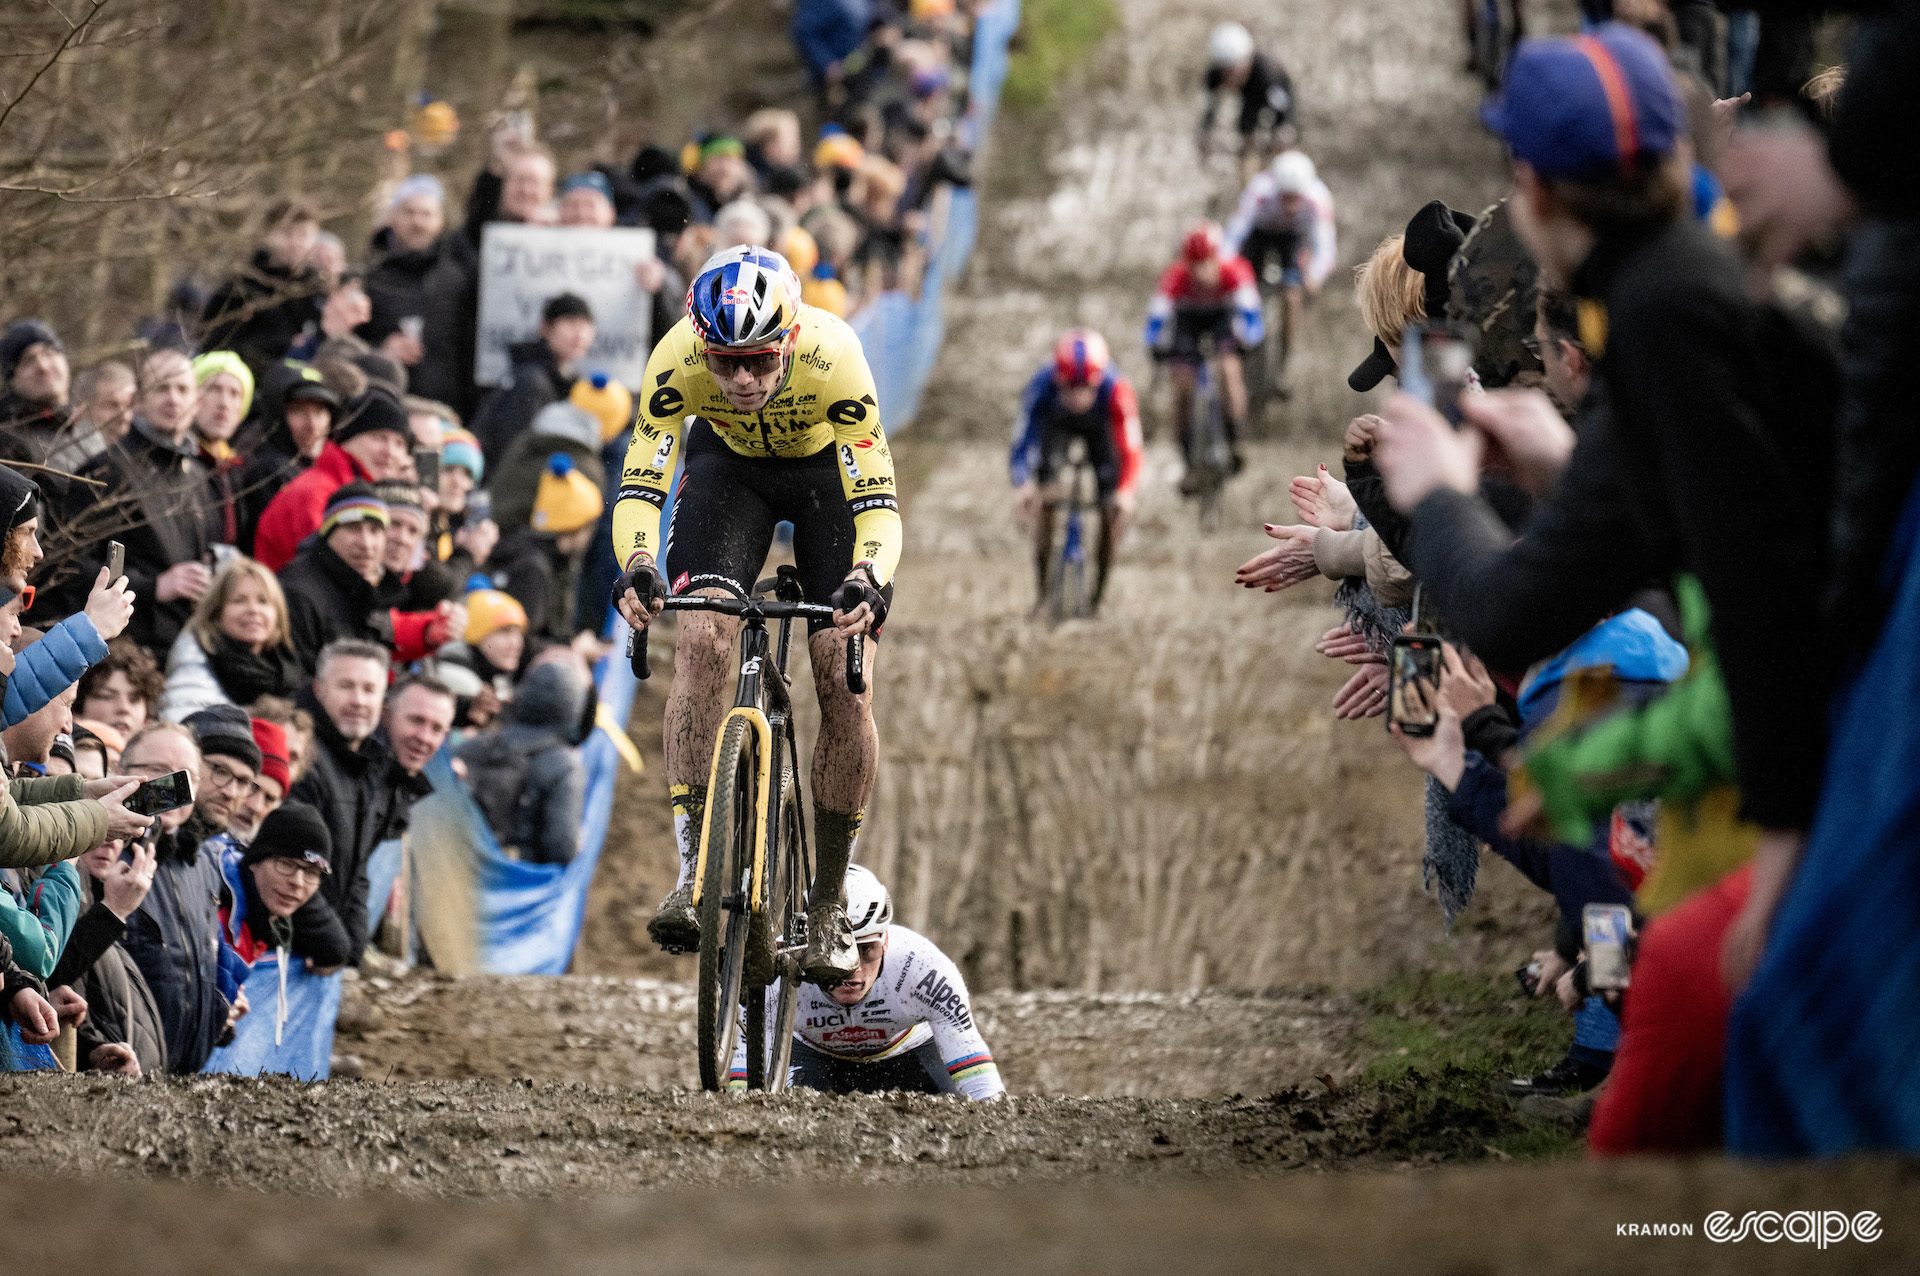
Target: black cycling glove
645, 580
854, 592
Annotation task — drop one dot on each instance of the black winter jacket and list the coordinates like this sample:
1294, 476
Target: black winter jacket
156, 501
357, 792
174, 938
260, 312
440, 285
537, 381
327, 599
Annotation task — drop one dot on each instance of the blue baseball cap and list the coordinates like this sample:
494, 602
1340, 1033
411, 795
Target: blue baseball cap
1589, 107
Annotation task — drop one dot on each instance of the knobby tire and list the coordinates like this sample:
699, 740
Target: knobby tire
723, 946
789, 904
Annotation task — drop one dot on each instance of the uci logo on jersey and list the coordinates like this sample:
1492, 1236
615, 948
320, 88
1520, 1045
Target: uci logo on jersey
853, 466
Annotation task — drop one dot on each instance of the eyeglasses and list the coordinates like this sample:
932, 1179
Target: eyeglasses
221, 777
296, 870
1534, 346
760, 364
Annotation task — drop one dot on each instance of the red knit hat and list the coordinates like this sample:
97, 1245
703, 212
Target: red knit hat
272, 739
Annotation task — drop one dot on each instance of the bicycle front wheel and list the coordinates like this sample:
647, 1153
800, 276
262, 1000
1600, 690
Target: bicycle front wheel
732, 826
791, 866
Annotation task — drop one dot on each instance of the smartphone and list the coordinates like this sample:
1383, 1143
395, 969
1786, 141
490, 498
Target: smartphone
1609, 941
479, 507
169, 792
412, 326
1413, 686
1436, 363
116, 561
426, 463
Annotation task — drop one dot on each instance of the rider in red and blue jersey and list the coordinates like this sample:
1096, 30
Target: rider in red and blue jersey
1080, 394
1209, 298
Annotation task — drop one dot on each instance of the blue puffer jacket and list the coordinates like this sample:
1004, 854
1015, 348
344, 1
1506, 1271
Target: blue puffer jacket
50, 666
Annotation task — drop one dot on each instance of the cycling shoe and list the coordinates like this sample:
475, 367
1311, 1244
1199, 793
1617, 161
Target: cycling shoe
831, 953
675, 926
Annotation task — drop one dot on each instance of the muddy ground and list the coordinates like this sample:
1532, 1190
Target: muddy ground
1174, 882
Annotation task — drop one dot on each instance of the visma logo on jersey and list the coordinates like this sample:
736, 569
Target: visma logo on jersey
1819, 1228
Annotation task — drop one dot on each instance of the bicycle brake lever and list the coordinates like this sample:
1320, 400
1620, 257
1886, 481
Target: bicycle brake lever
637, 654
856, 665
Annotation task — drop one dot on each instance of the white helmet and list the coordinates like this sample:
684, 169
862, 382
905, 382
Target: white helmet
1229, 45
869, 907
1293, 173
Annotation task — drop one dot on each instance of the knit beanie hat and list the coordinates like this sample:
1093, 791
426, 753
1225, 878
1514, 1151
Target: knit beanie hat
353, 503
275, 762
462, 448
491, 609
375, 409
607, 400
292, 831
211, 364
19, 499
566, 420
567, 500
20, 336
225, 729
417, 184
399, 494
591, 181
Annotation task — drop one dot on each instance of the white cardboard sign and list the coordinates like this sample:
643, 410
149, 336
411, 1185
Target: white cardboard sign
522, 266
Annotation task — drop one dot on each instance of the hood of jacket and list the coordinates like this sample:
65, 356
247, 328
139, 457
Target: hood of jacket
552, 696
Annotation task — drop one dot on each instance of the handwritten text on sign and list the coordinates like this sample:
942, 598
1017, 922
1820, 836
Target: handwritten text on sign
522, 266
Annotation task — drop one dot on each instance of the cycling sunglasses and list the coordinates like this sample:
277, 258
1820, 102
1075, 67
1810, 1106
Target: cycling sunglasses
26, 600
760, 363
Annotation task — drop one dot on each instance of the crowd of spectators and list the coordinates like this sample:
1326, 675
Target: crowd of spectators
1661, 551
1665, 545
336, 557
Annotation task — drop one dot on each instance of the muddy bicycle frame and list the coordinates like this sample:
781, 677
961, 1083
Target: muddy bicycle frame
769, 728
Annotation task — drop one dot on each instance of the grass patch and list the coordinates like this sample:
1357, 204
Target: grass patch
1054, 37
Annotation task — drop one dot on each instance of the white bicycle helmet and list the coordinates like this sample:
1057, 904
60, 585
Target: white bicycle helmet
1229, 45
1293, 173
869, 907
744, 299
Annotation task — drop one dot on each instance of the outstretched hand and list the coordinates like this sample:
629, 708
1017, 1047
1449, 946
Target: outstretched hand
1283, 566
1323, 501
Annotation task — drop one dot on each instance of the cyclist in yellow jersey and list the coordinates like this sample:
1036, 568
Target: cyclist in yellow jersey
770, 407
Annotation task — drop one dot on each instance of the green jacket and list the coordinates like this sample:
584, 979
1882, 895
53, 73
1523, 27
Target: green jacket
44, 821
38, 930
1588, 757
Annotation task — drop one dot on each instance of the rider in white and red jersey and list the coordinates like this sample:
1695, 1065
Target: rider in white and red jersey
1207, 298
903, 1021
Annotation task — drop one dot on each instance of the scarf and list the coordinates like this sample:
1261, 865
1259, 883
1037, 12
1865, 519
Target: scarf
246, 675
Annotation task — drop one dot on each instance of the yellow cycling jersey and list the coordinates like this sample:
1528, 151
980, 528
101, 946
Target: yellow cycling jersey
827, 400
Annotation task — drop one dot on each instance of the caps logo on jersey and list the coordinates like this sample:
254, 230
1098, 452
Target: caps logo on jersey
846, 459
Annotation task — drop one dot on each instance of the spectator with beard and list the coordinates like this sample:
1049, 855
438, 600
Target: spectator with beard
423, 281
34, 413
349, 780
154, 498
542, 374
229, 761
174, 936
260, 312
526, 773
123, 691
226, 396
273, 898
122, 1034
371, 441
298, 410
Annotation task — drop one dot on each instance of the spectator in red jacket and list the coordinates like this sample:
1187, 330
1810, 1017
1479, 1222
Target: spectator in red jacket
371, 442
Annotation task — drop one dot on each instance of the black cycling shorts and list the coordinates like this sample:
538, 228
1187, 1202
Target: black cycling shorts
727, 506
1096, 431
920, 1071
1282, 246
1194, 327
